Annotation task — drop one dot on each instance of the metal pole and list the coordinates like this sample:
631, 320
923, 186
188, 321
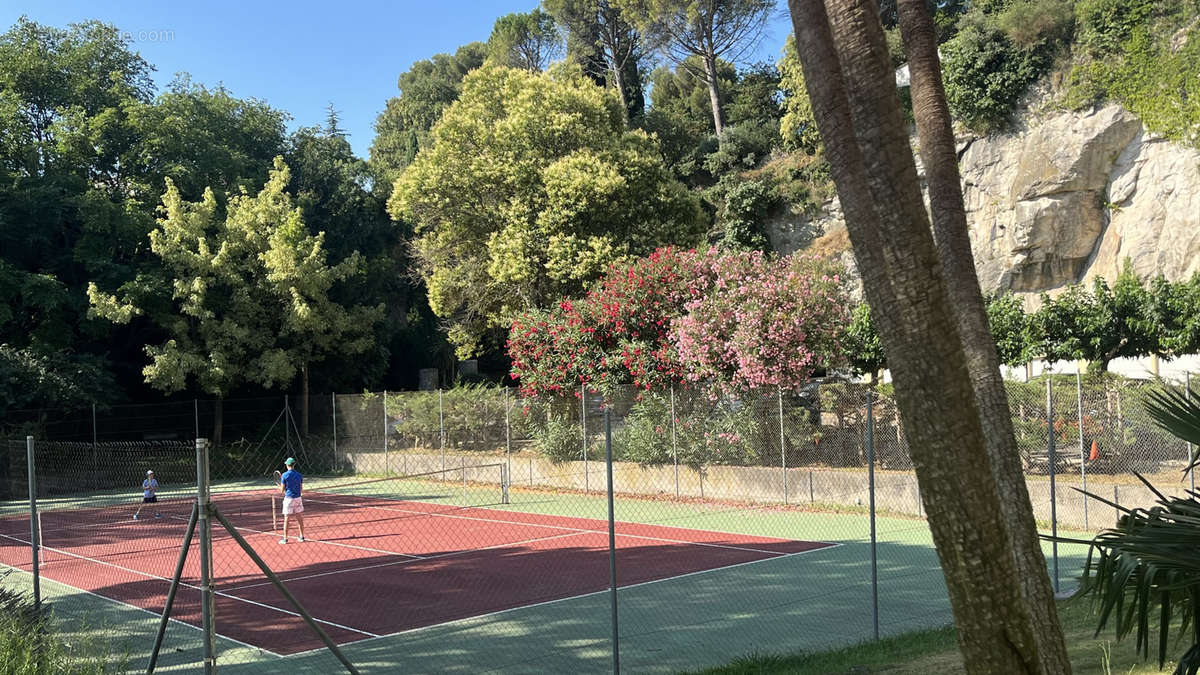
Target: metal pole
1053, 461
387, 464
612, 540
442, 427
1082, 452
1187, 393
203, 508
166, 615
674, 445
329, 644
95, 474
34, 534
1117, 501
871, 497
287, 429
782, 445
333, 407
507, 446
196, 415
583, 420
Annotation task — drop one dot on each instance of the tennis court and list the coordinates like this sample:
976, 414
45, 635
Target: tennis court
383, 557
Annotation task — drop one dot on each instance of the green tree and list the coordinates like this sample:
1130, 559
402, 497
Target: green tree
204, 138
332, 189
426, 89
529, 41
708, 30
605, 45
68, 200
1176, 308
797, 126
241, 298
531, 188
1127, 325
864, 349
1008, 324
1060, 329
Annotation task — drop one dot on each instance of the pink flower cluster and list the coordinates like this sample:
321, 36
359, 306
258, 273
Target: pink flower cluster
739, 320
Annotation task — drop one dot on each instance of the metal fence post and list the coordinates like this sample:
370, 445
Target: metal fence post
95, 462
442, 427
1053, 461
507, 444
387, 464
674, 442
1187, 392
782, 445
583, 421
34, 535
333, 408
871, 498
203, 512
612, 539
1082, 452
196, 415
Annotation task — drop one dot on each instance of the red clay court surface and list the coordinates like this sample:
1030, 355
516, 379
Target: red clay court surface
372, 567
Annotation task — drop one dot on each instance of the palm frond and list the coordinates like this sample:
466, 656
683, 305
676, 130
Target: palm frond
1146, 566
1177, 411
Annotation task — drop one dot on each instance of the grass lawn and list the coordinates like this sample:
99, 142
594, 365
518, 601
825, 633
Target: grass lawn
935, 651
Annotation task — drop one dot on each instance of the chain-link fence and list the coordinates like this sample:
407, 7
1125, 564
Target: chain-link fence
468, 529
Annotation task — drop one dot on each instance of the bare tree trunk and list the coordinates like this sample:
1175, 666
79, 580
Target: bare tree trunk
714, 92
619, 81
940, 158
858, 112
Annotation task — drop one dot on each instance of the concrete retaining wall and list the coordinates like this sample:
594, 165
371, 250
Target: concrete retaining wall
895, 491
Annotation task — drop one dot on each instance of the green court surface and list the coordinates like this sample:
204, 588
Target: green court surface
812, 600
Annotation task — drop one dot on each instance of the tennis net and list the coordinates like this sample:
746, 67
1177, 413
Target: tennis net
453, 487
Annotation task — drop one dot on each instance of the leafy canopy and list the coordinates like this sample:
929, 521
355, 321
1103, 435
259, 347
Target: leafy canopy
246, 295
531, 188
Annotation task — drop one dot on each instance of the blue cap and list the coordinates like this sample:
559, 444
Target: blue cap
290, 461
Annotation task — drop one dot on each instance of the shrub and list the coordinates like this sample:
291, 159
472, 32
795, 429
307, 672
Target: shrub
559, 439
472, 416
742, 146
745, 205
985, 73
29, 644
1105, 24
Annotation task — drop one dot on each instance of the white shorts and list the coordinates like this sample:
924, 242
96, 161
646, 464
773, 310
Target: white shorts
292, 505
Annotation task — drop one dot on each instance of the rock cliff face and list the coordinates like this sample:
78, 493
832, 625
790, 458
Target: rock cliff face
1067, 198
1072, 197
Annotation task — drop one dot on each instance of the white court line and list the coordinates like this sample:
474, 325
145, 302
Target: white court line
187, 585
829, 546
577, 529
150, 612
405, 562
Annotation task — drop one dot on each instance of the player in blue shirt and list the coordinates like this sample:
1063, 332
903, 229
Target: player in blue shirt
149, 488
290, 485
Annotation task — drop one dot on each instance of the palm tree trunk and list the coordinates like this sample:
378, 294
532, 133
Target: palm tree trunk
940, 158
858, 112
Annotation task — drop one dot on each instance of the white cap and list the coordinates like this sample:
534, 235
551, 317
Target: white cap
149, 473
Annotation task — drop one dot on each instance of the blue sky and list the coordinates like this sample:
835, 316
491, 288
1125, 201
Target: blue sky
300, 56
